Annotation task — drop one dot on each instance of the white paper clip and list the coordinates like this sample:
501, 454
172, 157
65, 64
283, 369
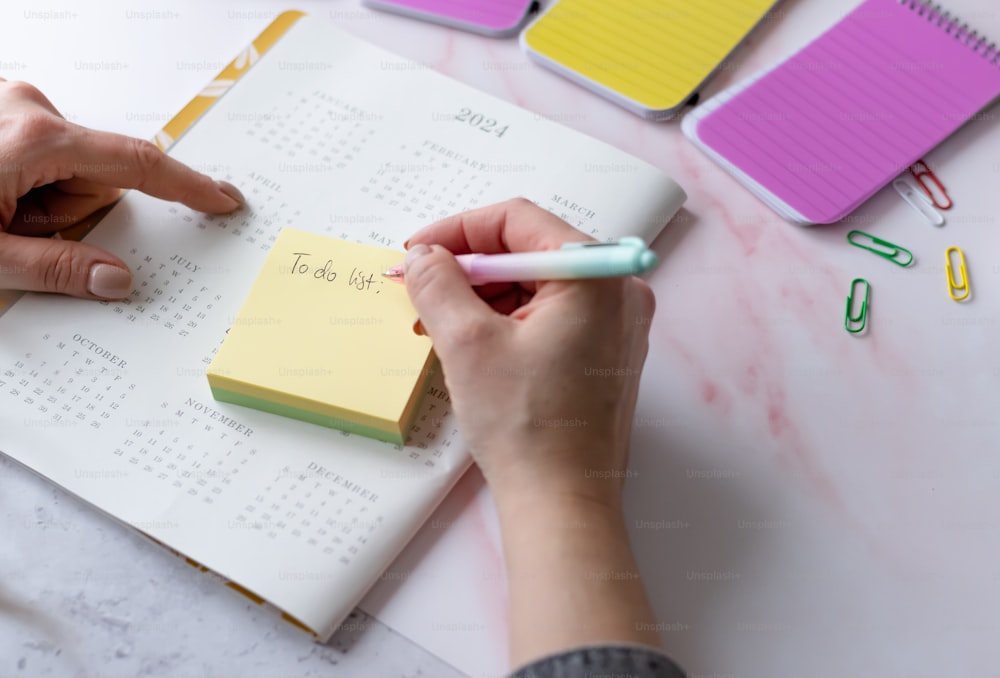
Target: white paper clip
918, 201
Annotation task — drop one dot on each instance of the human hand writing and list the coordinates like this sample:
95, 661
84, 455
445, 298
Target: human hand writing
543, 376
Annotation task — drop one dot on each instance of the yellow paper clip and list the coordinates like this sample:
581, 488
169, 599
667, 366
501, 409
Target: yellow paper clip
958, 289
856, 323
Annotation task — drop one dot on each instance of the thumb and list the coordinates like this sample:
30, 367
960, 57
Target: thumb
446, 303
62, 267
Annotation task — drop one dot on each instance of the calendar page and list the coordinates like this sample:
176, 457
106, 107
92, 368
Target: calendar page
325, 134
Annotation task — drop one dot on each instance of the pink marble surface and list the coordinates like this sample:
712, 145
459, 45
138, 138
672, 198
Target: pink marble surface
803, 502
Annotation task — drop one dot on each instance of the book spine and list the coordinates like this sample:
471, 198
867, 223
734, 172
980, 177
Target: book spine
954, 26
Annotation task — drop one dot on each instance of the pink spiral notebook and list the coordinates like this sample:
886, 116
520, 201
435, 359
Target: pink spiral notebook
495, 18
820, 133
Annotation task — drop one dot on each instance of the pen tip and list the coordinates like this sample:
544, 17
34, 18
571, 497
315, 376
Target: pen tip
395, 274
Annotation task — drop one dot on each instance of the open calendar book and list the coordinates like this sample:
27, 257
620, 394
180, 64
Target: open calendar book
323, 133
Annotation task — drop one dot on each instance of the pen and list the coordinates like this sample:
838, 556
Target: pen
628, 256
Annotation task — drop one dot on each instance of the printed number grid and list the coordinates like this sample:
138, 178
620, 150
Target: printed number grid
257, 223
304, 505
426, 185
187, 451
164, 294
63, 385
315, 129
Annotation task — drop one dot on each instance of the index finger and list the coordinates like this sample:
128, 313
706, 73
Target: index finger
517, 225
125, 162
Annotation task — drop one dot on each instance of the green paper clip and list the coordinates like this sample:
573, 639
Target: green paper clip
891, 252
859, 321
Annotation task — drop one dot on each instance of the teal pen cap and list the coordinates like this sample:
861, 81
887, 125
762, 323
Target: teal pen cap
628, 256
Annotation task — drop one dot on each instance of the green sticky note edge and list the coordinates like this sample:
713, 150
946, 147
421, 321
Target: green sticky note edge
227, 396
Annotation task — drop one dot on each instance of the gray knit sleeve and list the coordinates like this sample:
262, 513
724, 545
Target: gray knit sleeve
600, 662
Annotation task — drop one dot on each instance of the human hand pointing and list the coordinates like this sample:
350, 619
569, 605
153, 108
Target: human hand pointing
54, 173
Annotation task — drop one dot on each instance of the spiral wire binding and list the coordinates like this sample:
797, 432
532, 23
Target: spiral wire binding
955, 26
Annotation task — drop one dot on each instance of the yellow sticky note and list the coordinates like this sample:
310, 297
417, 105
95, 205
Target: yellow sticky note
323, 337
650, 55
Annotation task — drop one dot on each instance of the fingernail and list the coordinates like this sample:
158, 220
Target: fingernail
415, 253
231, 191
406, 244
109, 282
418, 328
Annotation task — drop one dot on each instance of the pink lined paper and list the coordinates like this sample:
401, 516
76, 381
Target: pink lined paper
495, 15
839, 120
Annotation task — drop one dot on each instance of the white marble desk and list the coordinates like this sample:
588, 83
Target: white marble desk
825, 503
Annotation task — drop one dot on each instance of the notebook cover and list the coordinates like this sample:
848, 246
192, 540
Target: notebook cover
650, 57
690, 128
835, 123
494, 18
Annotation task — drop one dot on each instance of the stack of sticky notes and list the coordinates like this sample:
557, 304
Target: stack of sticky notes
650, 56
324, 338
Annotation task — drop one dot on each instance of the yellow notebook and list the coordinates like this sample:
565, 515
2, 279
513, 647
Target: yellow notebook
324, 338
650, 56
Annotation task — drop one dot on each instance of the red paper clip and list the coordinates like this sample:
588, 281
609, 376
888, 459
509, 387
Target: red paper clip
919, 170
